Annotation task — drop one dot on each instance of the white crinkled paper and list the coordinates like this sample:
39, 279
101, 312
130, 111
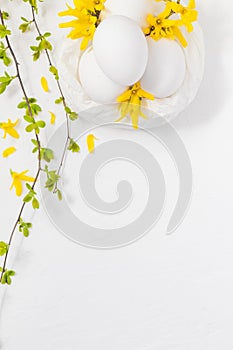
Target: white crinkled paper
167, 108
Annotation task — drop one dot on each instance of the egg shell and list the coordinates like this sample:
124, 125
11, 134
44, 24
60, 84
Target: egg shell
95, 83
121, 50
134, 9
166, 68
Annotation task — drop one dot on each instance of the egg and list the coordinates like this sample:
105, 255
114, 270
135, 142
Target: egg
134, 9
121, 49
166, 68
95, 83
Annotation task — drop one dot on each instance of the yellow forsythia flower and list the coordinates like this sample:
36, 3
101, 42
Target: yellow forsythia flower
188, 15
52, 118
7, 152
18, 178
8, 128
44, 84
86, 13
164, 27
91, 143
131, 101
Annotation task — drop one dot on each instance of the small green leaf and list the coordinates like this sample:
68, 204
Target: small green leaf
26, 232
24, 227
6, 278
22, 105
73, 116
3, 248
59, 195
73, 146
5, 15
30, 127
54, 71
4, 31
47, 154
41, 124
35, 204
5, 81
29, 119
59, 100
52, 179
28, 198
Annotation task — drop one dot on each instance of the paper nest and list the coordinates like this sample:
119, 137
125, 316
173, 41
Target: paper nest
166, 108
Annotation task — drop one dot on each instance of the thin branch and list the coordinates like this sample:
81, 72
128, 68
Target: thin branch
61, 94
37, 138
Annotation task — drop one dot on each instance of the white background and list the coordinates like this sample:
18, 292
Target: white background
160, 293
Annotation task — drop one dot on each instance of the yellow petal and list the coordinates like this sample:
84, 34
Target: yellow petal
52, 118
7, 152
145, 94
84, 44
12, 132
18, 187
91, 143
125, 96
15, 123
27, 178
192, 4
44, 84
180, 36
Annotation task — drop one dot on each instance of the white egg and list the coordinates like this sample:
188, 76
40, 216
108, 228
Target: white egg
95, 83
121, 49
166, 68
134, 9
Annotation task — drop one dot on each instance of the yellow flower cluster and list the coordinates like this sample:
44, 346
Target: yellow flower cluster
87, 13
131, 101
9, 128
163, 26
18, 179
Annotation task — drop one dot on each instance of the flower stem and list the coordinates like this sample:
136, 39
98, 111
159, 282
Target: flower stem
20, 80
68, 137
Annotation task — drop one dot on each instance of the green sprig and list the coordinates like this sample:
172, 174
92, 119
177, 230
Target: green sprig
5, 81
25, 25
3, 248
6, 276
3, 54
25, 227
73, 146
43, 45
4, 31
52, 181
31, 197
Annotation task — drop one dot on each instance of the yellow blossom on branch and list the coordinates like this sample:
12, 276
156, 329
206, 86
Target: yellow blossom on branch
163, 26
9, 128
130, 103
86, 20
7, 152
93, 5
188, 15
18, 179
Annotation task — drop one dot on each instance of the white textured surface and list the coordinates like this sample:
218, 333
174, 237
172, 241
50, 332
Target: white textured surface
161, 293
